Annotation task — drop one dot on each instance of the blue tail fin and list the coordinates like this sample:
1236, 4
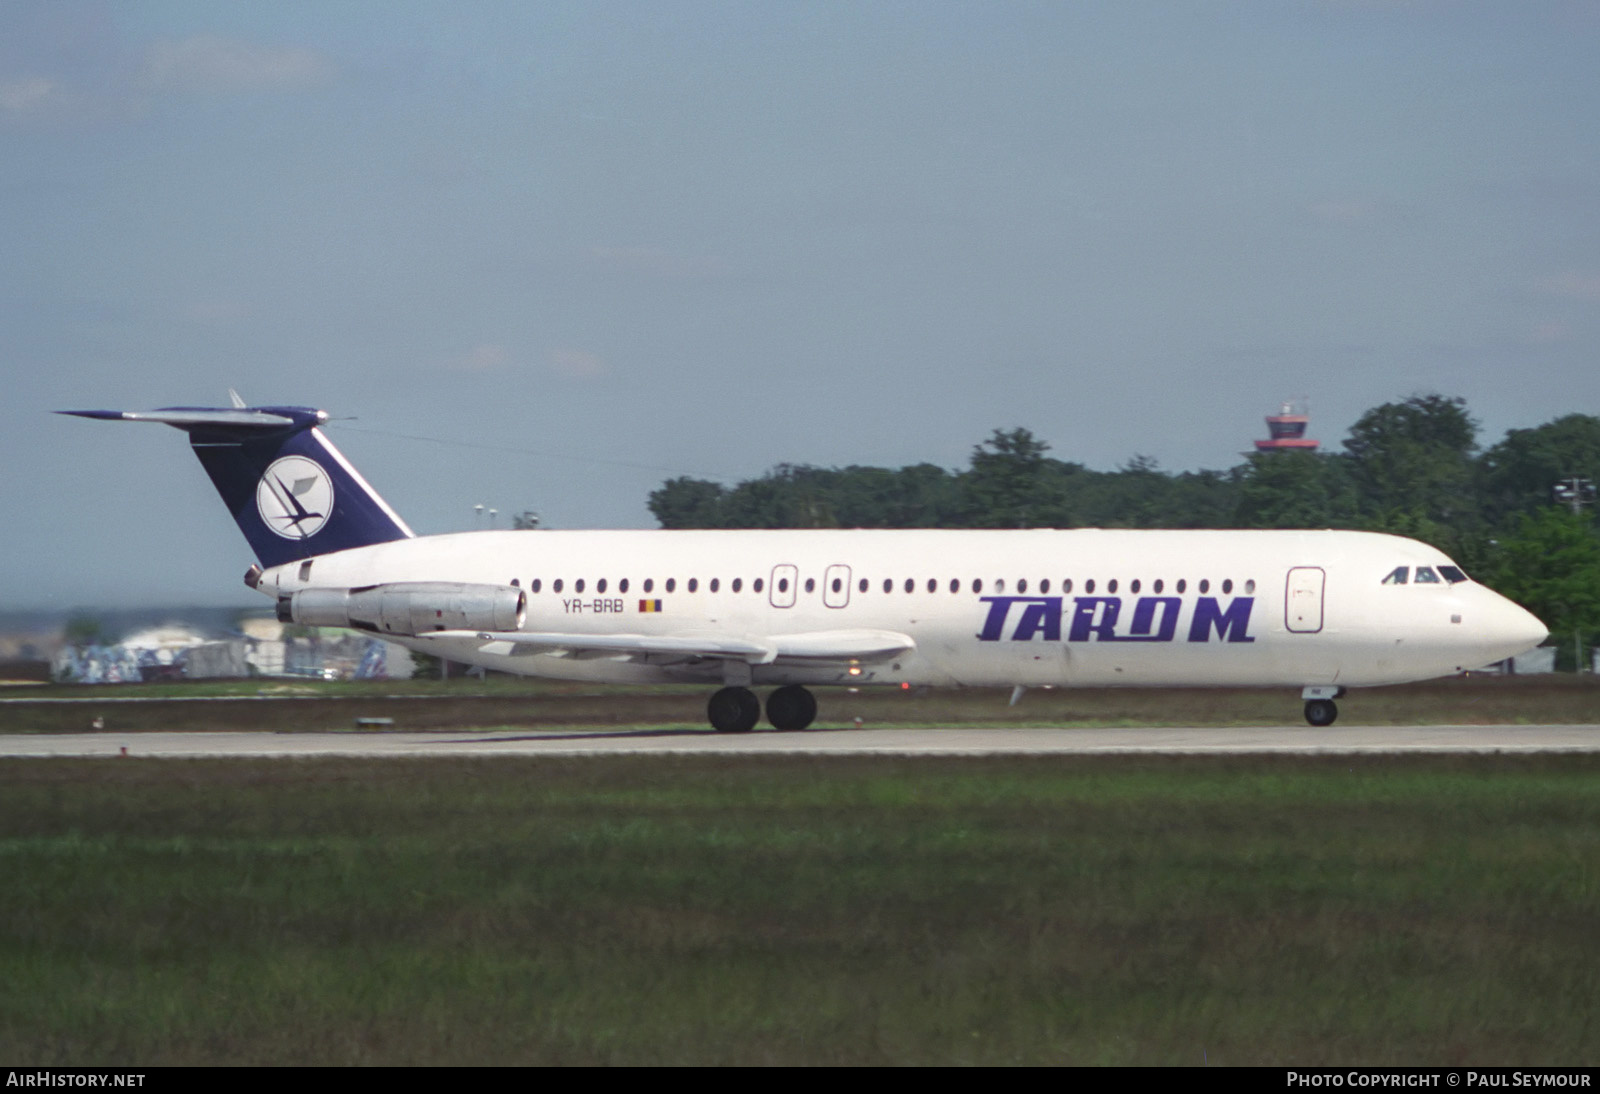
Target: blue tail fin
292, 493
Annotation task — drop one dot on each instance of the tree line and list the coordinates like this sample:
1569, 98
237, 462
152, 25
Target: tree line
1413, 468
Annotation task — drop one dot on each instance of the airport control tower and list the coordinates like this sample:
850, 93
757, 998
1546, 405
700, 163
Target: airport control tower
1288, 429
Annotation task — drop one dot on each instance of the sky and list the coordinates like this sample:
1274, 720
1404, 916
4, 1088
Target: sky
546, 256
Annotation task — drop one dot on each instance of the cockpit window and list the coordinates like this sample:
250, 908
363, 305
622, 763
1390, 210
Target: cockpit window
1397, 576
1426, 576
1452, 574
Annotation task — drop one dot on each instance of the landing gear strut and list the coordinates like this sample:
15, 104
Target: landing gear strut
734, 710
791, 707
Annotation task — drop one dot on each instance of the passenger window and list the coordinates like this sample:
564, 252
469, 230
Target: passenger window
888, 584
837, 585
1227, 585
757, 584
1022, 584
1044, 586
1250, 587
600, 586
811, 584
999, 584
911, 585
1426, 576
672, 584
1183, 585
556, 584
534, 584
1133, 586
738, 583
933, 585
716, 583
862, 585
577, 586
694, 584
1066, 585
977, 584
1205, 585
1111, 586
1397, 576
622, 586
1159, 585
1088, 586
649, 584
955, 584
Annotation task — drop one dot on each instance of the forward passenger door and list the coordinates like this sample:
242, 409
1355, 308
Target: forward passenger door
1302, 601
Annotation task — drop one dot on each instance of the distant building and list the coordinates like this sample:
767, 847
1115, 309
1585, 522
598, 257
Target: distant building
1287, 429
259, 646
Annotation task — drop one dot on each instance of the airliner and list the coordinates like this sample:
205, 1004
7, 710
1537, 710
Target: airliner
791, 610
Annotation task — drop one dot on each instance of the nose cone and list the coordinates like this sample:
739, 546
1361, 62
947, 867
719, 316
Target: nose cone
1514, 629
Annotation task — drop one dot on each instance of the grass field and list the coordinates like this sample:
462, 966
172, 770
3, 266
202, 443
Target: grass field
801, 910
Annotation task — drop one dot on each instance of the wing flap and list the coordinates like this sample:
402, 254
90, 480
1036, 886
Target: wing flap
844, 645
812, 647
524, 643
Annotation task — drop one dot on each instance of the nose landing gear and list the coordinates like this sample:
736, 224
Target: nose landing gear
1320, 707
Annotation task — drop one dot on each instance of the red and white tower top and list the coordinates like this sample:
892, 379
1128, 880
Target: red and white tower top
1288, 429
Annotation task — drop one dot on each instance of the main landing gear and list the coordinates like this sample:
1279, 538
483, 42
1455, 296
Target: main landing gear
737, 710
1320, 707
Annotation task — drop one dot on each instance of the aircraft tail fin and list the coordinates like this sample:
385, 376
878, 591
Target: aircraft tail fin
292, 493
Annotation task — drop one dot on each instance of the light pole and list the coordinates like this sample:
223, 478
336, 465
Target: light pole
1576, 492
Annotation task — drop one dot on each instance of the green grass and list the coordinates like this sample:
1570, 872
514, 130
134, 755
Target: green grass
818, 910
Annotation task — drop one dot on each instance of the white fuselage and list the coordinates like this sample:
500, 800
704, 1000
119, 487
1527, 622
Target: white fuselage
1074, 608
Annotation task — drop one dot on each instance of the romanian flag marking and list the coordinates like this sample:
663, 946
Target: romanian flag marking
649, 605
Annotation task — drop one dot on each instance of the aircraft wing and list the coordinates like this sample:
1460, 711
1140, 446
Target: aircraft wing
814, 647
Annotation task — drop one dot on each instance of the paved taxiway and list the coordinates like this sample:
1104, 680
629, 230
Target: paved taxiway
931, 742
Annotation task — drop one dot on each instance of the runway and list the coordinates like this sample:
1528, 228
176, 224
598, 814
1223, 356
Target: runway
1302, 740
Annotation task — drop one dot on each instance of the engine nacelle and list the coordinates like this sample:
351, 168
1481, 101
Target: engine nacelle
409, 607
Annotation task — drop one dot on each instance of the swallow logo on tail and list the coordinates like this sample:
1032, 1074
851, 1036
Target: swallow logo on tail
295, 497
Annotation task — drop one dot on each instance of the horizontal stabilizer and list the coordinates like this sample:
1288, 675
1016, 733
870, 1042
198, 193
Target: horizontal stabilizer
186, 417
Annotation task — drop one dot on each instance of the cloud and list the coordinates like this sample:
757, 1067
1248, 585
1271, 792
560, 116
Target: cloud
1548, 333
487, 357
24, 96
577, 364
206, 63
1578, 286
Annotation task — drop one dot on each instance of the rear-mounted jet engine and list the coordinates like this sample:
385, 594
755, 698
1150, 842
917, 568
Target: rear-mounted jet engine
409, 608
